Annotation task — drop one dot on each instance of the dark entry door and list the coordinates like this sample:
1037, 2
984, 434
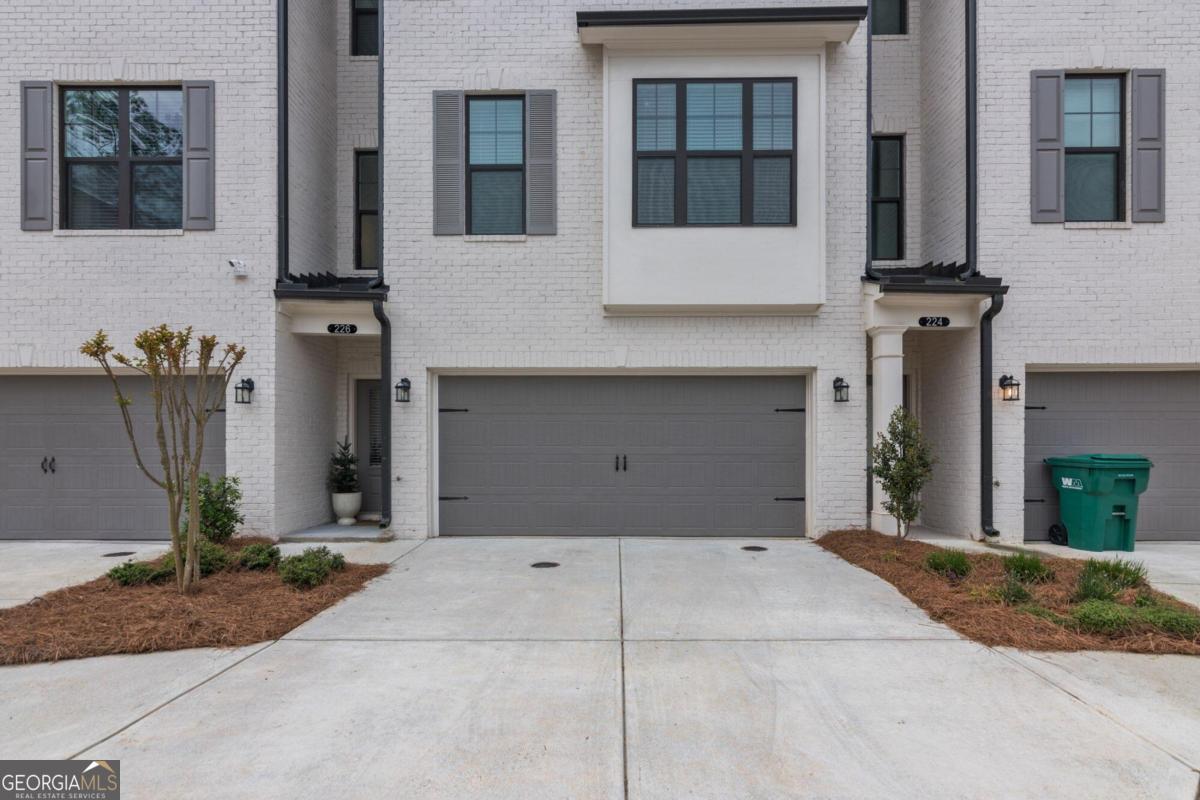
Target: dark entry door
368, 437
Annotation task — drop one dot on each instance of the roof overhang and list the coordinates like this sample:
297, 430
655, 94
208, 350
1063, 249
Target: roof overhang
340, 317
762, 27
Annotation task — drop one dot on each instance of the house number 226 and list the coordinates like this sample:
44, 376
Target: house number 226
342, 327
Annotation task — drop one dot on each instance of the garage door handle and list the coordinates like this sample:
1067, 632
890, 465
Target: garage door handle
44, 462
52, 469
625, 463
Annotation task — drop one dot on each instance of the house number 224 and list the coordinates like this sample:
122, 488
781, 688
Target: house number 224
934, 322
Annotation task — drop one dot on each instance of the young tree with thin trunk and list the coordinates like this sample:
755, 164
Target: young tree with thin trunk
188, 381
903, 462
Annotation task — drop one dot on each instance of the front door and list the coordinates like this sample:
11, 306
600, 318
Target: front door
368, 438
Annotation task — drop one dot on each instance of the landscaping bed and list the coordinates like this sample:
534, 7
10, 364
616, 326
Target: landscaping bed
243, 600
1026, 601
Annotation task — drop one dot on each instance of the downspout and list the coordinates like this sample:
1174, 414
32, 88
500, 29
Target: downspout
283, 274
985, 415
972, 166
385, 324
870, 266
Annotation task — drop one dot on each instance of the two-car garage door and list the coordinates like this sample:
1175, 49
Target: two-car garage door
1156, 414
66, 467
602, 455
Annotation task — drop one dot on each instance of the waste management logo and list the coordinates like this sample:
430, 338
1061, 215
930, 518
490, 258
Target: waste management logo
1072, 483
60, 780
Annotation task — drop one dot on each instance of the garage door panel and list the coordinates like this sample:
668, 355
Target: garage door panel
697, 455
1156, 414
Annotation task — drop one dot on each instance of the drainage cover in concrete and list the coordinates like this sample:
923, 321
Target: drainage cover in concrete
754, 548
118, 553
544, 564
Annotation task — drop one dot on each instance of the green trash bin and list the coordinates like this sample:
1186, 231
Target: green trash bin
1098, 498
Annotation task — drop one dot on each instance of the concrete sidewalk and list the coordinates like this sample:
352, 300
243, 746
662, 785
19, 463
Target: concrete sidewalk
644, 669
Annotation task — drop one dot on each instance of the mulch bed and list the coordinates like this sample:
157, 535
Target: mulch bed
969, 607
229, 609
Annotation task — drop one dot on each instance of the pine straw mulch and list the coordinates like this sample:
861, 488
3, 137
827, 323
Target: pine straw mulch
969, 608
231, 608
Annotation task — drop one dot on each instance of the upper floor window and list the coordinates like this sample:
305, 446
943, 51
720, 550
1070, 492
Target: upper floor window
1093, 136
364, 27
714, 152
495, 174
887, 198
366, 209
890, 17
122, 155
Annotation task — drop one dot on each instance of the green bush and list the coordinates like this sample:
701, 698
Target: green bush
310, 568
952, 564
1171, 620
213, 558
259, 556
1012, 592
1027, 568
132, 573
220, 507
1102, 616
1041, 612
1101, 580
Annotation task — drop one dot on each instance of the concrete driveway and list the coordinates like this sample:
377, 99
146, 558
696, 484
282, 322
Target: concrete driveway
647, 669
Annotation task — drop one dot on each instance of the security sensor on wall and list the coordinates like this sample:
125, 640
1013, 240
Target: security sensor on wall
237, 267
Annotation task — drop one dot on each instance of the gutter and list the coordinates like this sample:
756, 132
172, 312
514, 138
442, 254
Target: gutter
385, 324
972, 165
986, 517
869, 269
283, 275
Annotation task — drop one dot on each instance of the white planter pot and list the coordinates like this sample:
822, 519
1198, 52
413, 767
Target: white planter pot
346, 507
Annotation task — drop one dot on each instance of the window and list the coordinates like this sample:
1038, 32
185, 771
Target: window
495, 165
890, 18
364, 27
887, 198
714, 152
1093, 134
122, 158
366, 209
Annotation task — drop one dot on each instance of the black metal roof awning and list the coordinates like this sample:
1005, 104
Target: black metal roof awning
722, 16
936, 278
328, 286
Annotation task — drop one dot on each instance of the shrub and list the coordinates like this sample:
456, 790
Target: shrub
1027, 568
1171, 620
1041, 612
1012, 592
903, 462
259, 556
343, 469
132, 573
952, 564
310, 568
220, 507
1101, 580
1102, 616
213, 558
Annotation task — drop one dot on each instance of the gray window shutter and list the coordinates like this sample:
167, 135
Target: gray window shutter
1046, 147
199, 159
1149, 136
540, 201
449, 179
37, 138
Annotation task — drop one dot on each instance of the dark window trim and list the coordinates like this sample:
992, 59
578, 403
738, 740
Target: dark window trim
355, 11
878, 199
903, 21
124, 159
359, 213
747, 154
1119, 150
469, 168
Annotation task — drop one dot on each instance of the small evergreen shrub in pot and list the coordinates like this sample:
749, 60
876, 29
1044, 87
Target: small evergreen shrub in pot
343, 484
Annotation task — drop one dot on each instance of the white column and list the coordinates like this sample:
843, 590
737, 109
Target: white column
887, 394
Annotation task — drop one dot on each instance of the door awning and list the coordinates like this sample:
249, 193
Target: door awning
784, 27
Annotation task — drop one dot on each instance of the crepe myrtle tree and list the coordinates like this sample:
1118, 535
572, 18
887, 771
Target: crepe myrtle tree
903, 463
188, 379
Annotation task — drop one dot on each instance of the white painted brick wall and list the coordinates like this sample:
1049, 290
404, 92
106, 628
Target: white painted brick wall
943, 121
357, 121
537, 304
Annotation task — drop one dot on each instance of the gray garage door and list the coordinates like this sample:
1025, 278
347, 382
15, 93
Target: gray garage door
1156, 414
630, 456
66, 467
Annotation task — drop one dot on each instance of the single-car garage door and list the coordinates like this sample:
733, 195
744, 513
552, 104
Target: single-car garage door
629, 456
1156, 414
66, 467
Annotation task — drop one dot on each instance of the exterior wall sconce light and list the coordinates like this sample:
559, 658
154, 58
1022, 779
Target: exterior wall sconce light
403, 387
841, 390
1010, 388
243, 390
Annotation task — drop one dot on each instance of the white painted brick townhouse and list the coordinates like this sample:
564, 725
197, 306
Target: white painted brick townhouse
606, 267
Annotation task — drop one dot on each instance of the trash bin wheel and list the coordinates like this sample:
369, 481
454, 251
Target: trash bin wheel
1058, 534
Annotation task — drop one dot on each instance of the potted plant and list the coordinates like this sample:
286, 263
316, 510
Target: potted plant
343, 484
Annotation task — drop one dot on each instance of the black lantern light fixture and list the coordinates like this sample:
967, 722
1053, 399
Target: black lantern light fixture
243, 390
403, 387
841, 390
1010, 388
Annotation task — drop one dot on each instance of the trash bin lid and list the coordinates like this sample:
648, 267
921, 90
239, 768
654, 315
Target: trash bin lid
1101, 460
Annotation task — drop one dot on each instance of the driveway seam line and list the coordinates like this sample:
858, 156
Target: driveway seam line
1099, 710
621, 634
408, 552
166, 703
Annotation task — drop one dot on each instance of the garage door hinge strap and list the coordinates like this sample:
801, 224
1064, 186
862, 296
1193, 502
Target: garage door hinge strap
1035, 499
454, 410
789, 499
1035, 408
454, 498
789, 410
